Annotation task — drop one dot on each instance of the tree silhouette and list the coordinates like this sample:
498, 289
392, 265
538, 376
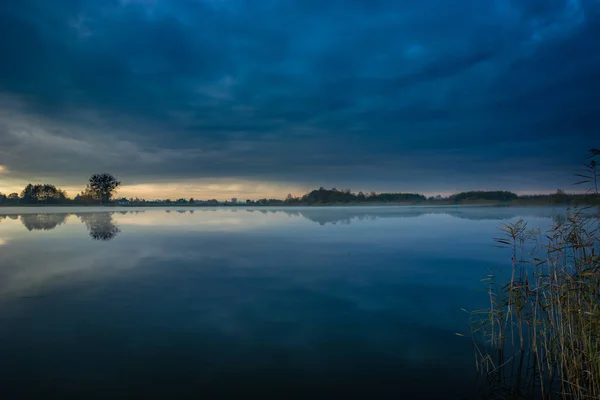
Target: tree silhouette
103, 186
42, 193
346, 196
475, 195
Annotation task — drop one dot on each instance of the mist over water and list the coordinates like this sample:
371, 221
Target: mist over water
234, 301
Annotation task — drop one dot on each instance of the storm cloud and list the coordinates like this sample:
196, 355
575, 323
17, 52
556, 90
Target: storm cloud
428, 95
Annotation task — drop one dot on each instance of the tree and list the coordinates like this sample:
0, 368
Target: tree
476, 195
103, 186
560, 197
28, 194
87, 197
335, 196
13, 196
42, 193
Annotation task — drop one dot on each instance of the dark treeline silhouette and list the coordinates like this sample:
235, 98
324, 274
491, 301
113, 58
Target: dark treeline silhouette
102, 187
42, 194
482, 195
323, 195
47, 194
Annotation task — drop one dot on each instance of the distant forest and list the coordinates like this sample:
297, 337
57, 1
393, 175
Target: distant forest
102, 188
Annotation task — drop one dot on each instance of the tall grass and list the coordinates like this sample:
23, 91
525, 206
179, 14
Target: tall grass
540, 336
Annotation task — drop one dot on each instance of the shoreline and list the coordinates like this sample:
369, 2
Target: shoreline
319, 205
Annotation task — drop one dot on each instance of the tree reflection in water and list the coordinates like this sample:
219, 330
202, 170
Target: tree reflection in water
43, 222
100, 225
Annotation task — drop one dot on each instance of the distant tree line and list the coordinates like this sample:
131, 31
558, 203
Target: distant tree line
101, 189
479, 195
323, 196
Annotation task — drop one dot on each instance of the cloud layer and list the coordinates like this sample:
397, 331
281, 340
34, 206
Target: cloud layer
425, 95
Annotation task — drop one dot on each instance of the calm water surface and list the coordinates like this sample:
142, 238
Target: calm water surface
193, 302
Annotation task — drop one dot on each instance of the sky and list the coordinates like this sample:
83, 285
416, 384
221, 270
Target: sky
249, 99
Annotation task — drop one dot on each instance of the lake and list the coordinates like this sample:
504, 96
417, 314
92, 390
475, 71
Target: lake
236, 302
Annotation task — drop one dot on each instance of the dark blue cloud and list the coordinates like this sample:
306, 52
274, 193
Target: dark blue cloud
357, 92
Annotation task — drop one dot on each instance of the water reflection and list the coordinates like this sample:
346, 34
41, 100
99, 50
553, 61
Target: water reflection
319, 215
346, 215
243, 299
100, 225
43, 222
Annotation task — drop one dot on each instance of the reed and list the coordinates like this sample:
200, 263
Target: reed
540, 335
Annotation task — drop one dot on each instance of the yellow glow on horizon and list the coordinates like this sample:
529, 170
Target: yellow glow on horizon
3, 169
221, 189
